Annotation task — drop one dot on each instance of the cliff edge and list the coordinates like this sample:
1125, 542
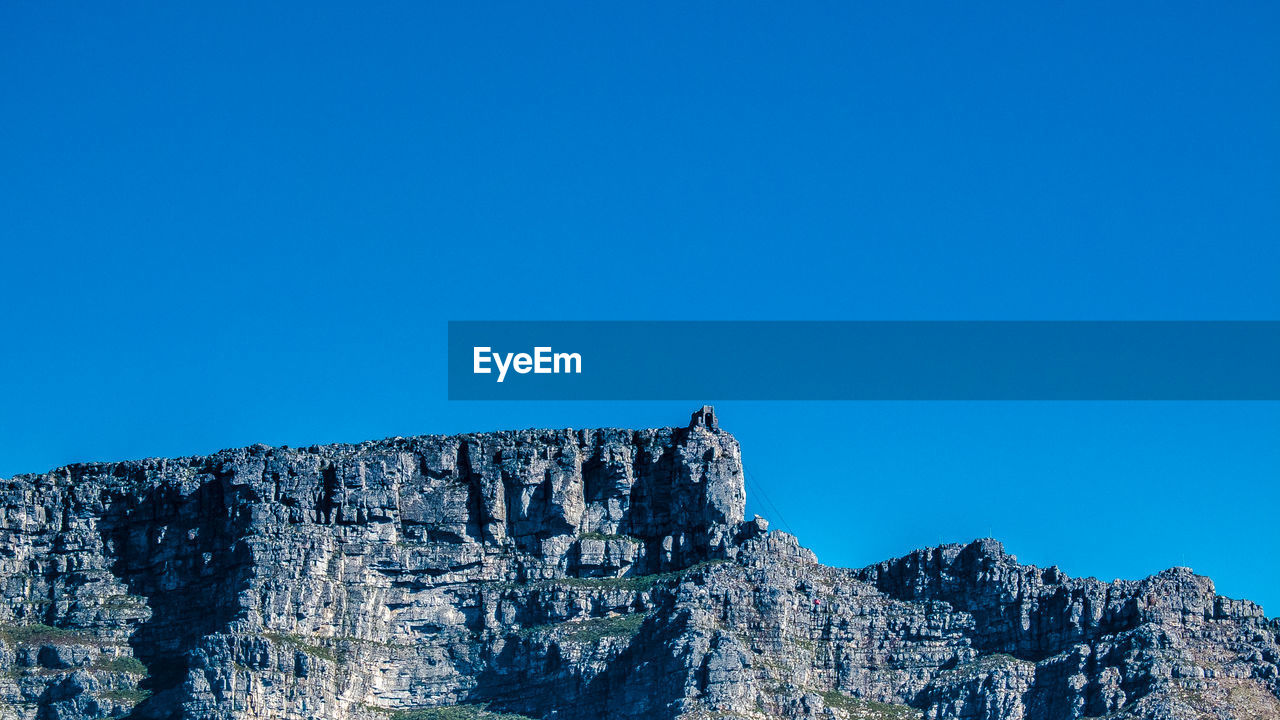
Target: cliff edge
574, 575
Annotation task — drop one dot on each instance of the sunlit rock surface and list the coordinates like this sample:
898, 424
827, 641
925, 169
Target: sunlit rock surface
558, 574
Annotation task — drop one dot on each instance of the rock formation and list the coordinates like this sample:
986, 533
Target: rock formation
574, 575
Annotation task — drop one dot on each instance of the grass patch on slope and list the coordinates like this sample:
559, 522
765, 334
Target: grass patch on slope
132, 697
131, 665
630, 582
38, 634
591, 630
869, 709
455, 712
299, 643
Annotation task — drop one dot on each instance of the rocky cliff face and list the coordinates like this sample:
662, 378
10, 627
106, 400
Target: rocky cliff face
574, 575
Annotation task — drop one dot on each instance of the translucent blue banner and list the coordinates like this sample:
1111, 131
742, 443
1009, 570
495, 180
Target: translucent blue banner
864, 361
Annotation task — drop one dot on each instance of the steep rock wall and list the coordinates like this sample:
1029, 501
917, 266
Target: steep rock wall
562, 575
387, 552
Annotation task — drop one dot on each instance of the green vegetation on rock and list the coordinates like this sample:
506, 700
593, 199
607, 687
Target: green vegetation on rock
859, 709
633, 582
38, 634
982, 665
130, 665
299, 643
592, 630
455, 712
126, 696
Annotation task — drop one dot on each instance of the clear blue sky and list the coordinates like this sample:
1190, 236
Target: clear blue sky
229, 223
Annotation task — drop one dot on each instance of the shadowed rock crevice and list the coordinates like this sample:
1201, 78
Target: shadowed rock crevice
181, 548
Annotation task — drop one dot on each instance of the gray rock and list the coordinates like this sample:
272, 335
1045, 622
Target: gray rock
574, 575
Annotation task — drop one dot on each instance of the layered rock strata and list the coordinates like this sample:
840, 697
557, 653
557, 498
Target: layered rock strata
574, 575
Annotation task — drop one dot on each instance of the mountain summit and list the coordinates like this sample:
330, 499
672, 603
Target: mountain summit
566, 574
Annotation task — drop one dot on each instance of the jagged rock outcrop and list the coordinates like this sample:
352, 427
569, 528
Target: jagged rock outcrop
574, 575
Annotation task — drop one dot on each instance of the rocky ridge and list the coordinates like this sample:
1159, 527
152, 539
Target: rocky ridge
567, 575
